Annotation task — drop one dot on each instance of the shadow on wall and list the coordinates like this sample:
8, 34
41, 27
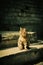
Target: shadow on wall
31, 57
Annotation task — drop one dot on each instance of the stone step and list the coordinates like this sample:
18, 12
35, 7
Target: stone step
16, 50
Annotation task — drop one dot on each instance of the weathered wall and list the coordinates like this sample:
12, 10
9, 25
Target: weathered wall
26, 13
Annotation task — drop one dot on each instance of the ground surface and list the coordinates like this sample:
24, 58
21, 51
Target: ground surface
15, 50
14, 56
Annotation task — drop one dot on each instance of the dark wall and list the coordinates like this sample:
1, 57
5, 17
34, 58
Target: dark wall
26, 13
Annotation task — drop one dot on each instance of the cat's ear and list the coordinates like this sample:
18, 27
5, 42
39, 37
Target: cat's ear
20, 28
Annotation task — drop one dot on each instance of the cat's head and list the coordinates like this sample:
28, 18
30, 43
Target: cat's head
23, 31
